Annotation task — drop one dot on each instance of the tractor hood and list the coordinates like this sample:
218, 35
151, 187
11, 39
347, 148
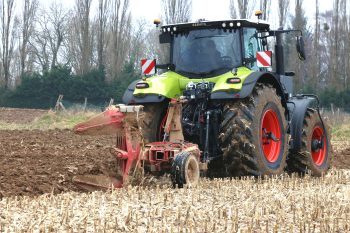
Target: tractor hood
172, 85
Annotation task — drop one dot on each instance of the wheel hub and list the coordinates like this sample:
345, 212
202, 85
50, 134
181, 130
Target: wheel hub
271, 136
318, 146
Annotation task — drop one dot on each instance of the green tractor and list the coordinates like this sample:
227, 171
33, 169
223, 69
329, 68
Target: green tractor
243, 115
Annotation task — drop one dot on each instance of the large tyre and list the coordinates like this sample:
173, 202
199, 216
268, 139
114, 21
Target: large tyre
314, 155
152, 122
253, 134
185, 170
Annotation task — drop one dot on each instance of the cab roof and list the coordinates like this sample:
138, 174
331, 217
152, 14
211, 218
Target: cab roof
224, 24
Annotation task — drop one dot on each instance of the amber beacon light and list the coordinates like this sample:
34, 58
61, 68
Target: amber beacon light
258, 14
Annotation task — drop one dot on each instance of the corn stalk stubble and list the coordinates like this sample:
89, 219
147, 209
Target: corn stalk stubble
280, 204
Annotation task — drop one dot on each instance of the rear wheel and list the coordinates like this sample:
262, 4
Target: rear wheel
253, 134
154, 121
314, 154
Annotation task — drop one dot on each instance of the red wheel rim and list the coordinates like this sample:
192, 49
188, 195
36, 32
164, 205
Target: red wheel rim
319, 155
270, 124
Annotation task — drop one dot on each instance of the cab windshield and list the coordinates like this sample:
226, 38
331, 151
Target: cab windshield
206, 52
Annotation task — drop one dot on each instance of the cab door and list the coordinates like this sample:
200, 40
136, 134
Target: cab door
251, 45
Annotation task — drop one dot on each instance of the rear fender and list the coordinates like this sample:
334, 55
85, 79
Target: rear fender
129, 98
167, 85
297, 107
248, 86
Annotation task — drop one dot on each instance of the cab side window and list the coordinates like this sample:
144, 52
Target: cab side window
251, 46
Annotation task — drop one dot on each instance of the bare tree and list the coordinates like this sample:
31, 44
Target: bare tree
265, 6
119, 33
80, 37
7, 38
58, 20
242, 8
341, 55
299, 22
335, 43
316, 45
346, 21
40, 46
325, 40
283, 9
334, 46
28, 17
103, 11
233, 10
138, 40
50, 35
176, 11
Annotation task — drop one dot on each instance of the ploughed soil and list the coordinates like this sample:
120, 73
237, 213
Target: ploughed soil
341, 152
20, 115
37, 162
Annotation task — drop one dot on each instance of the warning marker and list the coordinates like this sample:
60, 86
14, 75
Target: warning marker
264, 58
148, 67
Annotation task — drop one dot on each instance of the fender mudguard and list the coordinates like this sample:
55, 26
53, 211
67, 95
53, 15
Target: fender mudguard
129, 98
248, 86
297, 107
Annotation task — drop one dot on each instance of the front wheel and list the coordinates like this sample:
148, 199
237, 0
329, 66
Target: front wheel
253, 135
314, 154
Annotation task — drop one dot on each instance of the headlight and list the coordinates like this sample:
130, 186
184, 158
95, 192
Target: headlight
142, 85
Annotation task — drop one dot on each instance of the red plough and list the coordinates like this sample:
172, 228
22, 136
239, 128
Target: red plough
133, 157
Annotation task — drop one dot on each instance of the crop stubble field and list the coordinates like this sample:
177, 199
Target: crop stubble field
36, 192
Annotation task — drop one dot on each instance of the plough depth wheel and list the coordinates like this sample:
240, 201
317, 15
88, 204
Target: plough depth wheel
185, 170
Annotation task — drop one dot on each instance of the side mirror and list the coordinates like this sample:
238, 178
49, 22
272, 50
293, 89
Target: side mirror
301, 48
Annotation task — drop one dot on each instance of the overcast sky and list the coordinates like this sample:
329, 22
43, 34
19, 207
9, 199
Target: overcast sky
208, 9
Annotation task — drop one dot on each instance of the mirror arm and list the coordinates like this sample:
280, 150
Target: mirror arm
275, 32
166, 66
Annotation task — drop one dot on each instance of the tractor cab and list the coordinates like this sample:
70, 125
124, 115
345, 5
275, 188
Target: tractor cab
210, 48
